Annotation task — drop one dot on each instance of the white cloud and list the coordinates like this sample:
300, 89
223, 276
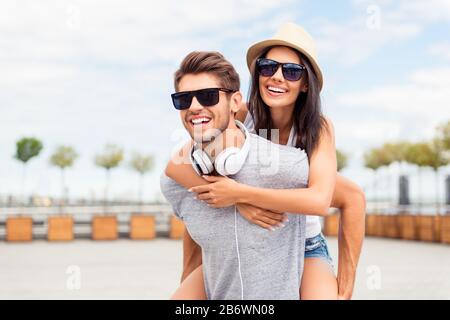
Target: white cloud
440, 50
423, 11
376, 25
86, 73
412, 110
352, 42
118, 32
410, 10
368, 133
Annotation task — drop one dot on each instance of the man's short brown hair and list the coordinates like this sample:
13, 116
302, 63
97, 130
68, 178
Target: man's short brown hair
210, 62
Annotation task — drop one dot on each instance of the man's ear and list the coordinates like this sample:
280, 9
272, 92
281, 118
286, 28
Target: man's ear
235, 101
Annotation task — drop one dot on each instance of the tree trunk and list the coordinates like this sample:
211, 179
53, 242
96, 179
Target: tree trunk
105, 196
420, 189
436, 177
400, 173
375, 190
141, 189
63, 186
22, 186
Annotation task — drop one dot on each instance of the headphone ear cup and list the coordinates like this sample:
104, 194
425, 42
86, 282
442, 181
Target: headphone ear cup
226, 163
202, 160
231, 160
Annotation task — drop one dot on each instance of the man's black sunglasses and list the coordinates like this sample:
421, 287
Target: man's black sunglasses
291, 71
206, 97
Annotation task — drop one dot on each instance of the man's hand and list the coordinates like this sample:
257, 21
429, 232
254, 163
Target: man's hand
345, 288
263, 218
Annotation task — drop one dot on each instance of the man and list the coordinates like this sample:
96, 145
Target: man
240, 260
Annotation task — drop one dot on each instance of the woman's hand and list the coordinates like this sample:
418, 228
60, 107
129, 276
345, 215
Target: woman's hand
221, 192
263, 218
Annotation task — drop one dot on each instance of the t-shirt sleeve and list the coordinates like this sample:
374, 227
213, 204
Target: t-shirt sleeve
174, 193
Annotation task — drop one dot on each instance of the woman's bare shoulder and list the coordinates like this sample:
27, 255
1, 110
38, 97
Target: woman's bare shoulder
328, 128
328, 122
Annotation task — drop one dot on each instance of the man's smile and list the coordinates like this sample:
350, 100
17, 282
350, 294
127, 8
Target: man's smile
200, 120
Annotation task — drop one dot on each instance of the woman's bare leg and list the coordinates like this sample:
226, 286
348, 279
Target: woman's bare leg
318, 281
192, 288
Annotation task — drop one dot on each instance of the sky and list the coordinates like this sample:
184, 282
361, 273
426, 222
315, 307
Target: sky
87, 73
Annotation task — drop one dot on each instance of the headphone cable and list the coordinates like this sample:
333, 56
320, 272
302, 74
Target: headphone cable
237, 249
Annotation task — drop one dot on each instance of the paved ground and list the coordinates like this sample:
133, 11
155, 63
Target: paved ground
125, 269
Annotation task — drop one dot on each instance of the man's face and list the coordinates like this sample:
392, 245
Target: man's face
204, 123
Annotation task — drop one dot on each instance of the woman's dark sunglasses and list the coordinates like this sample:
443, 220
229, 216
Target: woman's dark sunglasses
206, 97
291, 71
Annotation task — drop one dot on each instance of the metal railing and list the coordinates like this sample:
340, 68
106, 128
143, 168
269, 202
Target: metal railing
82, 216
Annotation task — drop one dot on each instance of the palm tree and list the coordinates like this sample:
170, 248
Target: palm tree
437, 159
372, 161
142, 164
63, 157
443, 134
442, 139
420, 154
341, 160
26, 149
393, 152
111, 157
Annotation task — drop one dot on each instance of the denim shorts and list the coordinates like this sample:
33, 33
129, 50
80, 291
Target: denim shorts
316, 247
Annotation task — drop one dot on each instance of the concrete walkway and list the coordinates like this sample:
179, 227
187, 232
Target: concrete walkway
125, 269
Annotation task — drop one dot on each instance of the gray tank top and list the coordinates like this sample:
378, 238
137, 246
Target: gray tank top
313, 225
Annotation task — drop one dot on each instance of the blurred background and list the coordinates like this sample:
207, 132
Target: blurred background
87, 127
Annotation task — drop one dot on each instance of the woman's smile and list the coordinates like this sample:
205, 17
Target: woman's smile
276, 91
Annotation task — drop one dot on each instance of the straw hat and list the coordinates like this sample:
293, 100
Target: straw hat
292, 36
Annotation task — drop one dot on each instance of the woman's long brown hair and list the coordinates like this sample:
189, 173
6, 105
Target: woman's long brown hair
308, 118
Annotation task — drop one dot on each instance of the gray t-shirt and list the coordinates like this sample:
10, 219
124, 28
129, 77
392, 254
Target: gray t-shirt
270, 262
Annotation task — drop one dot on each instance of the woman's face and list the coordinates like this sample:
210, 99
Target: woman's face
276, 91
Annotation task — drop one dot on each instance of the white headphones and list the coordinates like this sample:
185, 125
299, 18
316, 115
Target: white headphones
228, 162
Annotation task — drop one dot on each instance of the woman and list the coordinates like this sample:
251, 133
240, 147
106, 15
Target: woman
284, 95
